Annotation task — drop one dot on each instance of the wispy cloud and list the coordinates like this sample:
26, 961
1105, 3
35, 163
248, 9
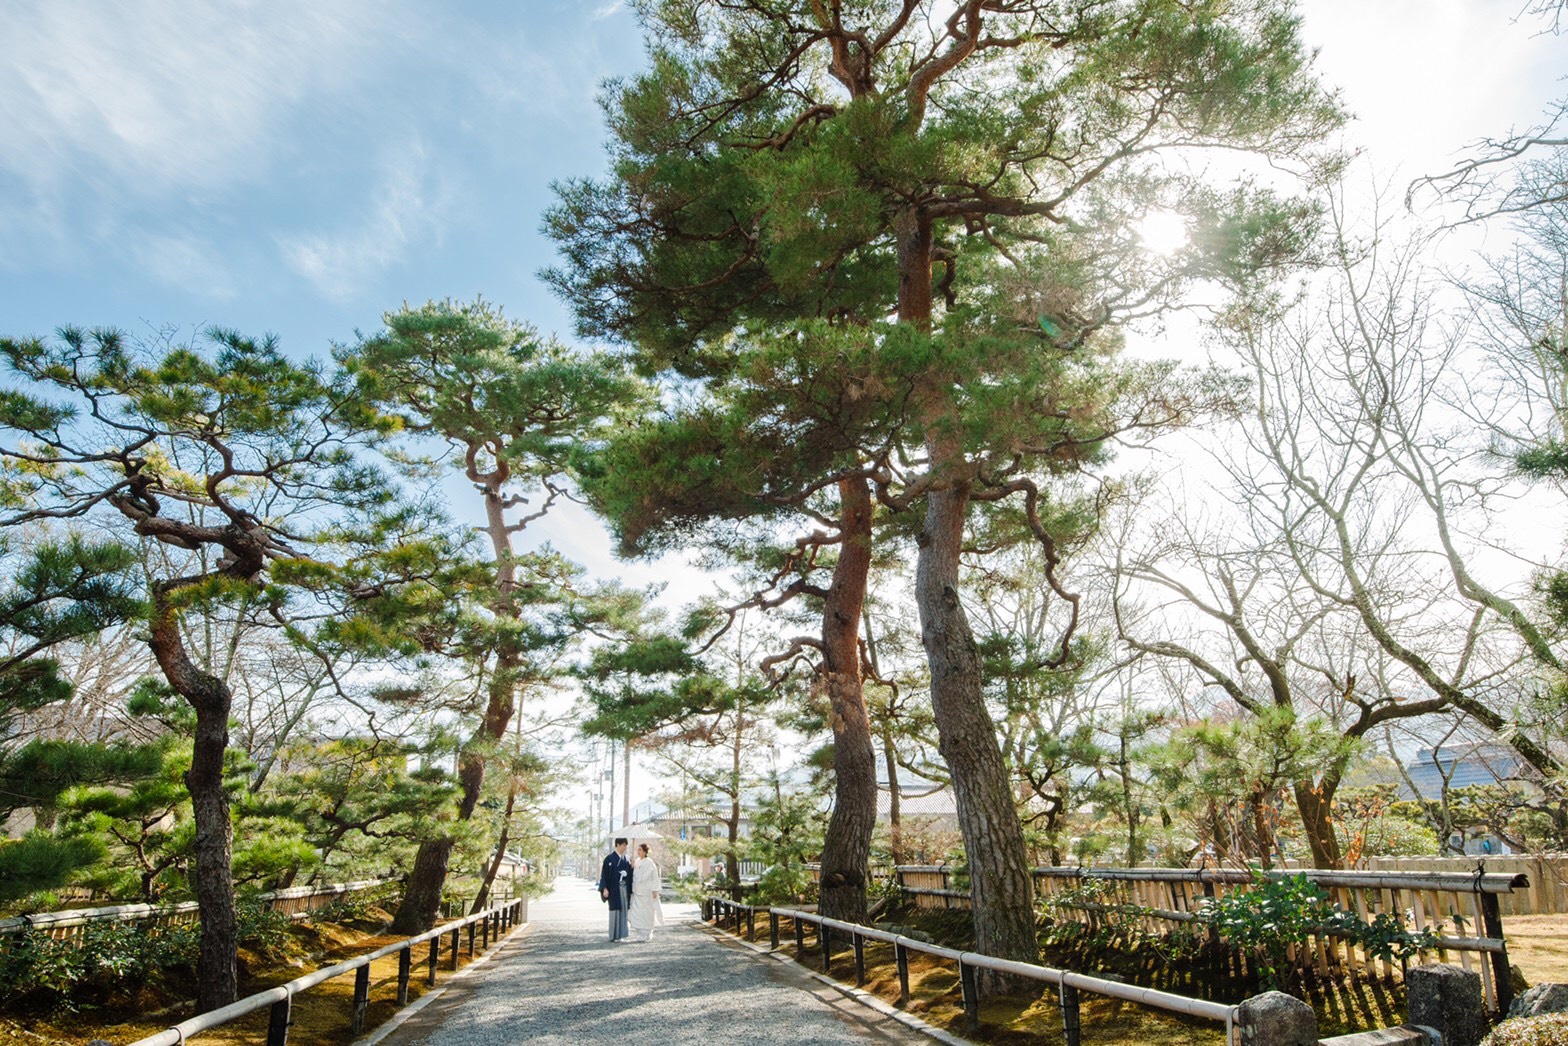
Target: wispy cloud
159, 95
407, 208
187, 262
607, 10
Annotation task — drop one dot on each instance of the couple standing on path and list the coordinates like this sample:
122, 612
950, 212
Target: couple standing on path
632, 890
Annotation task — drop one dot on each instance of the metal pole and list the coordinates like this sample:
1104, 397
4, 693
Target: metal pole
1070, 1018
361, 1000
405, 964
969, 984
278, 1022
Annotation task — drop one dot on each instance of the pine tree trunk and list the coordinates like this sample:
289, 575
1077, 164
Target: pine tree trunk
1316, 806
1001, 888
217, 972
895, 822
846, 850
421, 904
483, 896
1000, 884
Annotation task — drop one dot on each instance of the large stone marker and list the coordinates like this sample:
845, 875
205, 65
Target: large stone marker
1449, 999
1277, 1019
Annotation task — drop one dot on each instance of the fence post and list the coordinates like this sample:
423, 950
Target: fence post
278, 1022
456, 940
1277, 1019
825, 938
773, 930
361, 1000
405, 966
1071, 1022
484, 932
969, 984
800, 938
751, 924
435, 956
860, 959
1492, 917
471, 933
901, 958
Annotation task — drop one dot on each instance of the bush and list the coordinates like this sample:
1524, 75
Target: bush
1549, 1029
1276, 913
261, 928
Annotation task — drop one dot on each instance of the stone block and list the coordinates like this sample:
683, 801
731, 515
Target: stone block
1409, 1035
1543, 998
1277, 1019
1449, 999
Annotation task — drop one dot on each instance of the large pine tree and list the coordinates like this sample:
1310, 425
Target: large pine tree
964, 181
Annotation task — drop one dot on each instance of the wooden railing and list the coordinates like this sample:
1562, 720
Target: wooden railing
498, 920
1462, 909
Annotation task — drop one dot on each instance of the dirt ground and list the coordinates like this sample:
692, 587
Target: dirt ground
1538, 945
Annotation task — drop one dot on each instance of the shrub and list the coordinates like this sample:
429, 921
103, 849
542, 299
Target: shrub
1550, 1029
261, 928
1275, 914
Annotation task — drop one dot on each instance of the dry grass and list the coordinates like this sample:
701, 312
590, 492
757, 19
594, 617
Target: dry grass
1538, 945
322, 1014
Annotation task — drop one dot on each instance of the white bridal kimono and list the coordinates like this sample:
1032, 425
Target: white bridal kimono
645, 912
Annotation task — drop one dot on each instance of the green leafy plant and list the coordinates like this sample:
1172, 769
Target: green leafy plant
1278, 913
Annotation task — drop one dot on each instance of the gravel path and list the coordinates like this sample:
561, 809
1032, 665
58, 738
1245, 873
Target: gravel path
560, 981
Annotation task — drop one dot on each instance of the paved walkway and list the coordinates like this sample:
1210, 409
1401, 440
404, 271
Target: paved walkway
560, 981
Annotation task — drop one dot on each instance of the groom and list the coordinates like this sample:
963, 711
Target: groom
615, 886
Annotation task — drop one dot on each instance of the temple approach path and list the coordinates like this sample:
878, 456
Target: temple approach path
560, 981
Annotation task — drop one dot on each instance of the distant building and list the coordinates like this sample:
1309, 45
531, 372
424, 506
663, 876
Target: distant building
1459, 766
935, 803
1435, 770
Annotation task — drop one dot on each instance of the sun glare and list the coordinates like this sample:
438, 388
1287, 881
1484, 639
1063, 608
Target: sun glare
1162, 232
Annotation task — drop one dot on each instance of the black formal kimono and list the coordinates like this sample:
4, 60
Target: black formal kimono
615, 886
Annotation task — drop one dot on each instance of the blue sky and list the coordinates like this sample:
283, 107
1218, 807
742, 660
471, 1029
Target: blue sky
288, 166
301, 166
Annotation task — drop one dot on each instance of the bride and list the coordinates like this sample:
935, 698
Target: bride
645, 912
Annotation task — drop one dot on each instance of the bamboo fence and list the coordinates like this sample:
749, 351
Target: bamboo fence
1463, 909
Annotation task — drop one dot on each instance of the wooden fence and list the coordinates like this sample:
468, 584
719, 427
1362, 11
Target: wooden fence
295, 902
1463, 909
1547, 893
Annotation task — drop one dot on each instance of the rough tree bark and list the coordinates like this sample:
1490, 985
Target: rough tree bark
421, 903
846, 848
217, 974
1000, 884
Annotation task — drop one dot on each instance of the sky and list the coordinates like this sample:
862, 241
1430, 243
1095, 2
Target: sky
300, 167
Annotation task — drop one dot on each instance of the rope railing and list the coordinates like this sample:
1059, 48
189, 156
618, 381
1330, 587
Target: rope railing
498, 920
1068, 984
